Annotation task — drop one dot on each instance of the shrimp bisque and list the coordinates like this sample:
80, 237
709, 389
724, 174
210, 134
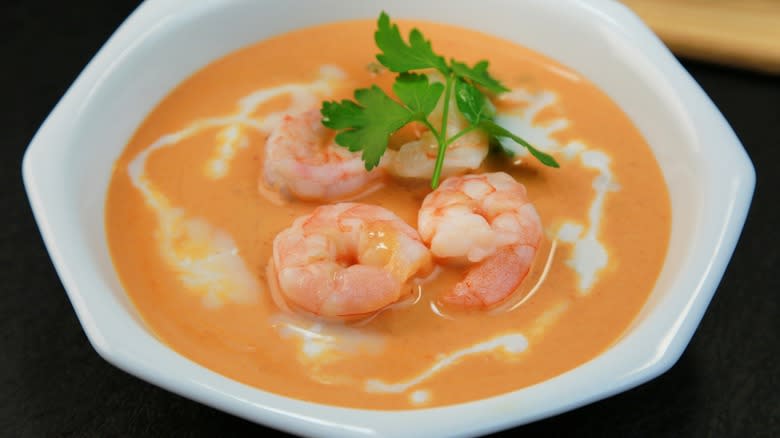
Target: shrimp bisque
275, 220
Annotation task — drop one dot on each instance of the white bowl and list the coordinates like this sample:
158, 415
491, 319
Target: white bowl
710, 178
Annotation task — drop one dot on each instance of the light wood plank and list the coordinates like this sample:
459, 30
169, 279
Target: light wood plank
743, 33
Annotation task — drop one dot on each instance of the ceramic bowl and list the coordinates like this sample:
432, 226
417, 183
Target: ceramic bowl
710, 178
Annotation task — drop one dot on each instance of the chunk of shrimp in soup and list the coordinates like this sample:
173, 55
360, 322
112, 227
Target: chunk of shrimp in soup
302, 161
348, 259
484, 221
417, 158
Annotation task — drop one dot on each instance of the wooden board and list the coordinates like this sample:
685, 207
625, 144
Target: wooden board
743, 33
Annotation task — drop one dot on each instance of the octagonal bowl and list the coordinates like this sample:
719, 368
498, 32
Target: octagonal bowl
68, 165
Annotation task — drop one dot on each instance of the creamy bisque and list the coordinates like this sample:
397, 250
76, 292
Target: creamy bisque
191, 233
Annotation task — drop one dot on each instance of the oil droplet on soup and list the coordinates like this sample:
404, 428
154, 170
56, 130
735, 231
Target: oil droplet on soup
191, 234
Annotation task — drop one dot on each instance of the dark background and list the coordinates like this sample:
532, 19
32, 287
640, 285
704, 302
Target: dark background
52, 383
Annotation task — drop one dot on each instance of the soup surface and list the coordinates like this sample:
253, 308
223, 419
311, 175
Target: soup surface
191, 230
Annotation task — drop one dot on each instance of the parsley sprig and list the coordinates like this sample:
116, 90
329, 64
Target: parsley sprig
367, 123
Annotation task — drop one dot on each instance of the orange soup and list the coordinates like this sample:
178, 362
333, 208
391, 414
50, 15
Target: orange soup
191, 225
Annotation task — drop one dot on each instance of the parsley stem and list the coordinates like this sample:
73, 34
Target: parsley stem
443, 134
433, 131
455, 137
445, 112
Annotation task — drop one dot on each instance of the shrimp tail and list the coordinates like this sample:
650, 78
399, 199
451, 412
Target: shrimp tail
493, 280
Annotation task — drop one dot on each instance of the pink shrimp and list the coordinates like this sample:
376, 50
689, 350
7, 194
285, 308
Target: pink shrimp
485, 221
303, 161
348, 259
417, 158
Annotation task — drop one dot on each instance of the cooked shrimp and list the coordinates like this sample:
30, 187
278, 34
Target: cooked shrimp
303, 161
348, 259
417, 158
485, 221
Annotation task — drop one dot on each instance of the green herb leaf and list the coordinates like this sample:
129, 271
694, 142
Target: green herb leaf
479, 75
417, 93
368, 124
401, 57
340, 115
471, 102
495, 130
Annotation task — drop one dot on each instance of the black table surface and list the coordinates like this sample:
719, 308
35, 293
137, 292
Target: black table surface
54, 384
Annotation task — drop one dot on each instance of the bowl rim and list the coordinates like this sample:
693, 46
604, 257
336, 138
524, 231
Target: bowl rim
477, 417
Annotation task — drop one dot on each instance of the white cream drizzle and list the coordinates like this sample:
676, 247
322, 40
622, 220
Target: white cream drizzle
327, 341
206, 258
548, 318
589, 255
511, 344
231, 139
420, 397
